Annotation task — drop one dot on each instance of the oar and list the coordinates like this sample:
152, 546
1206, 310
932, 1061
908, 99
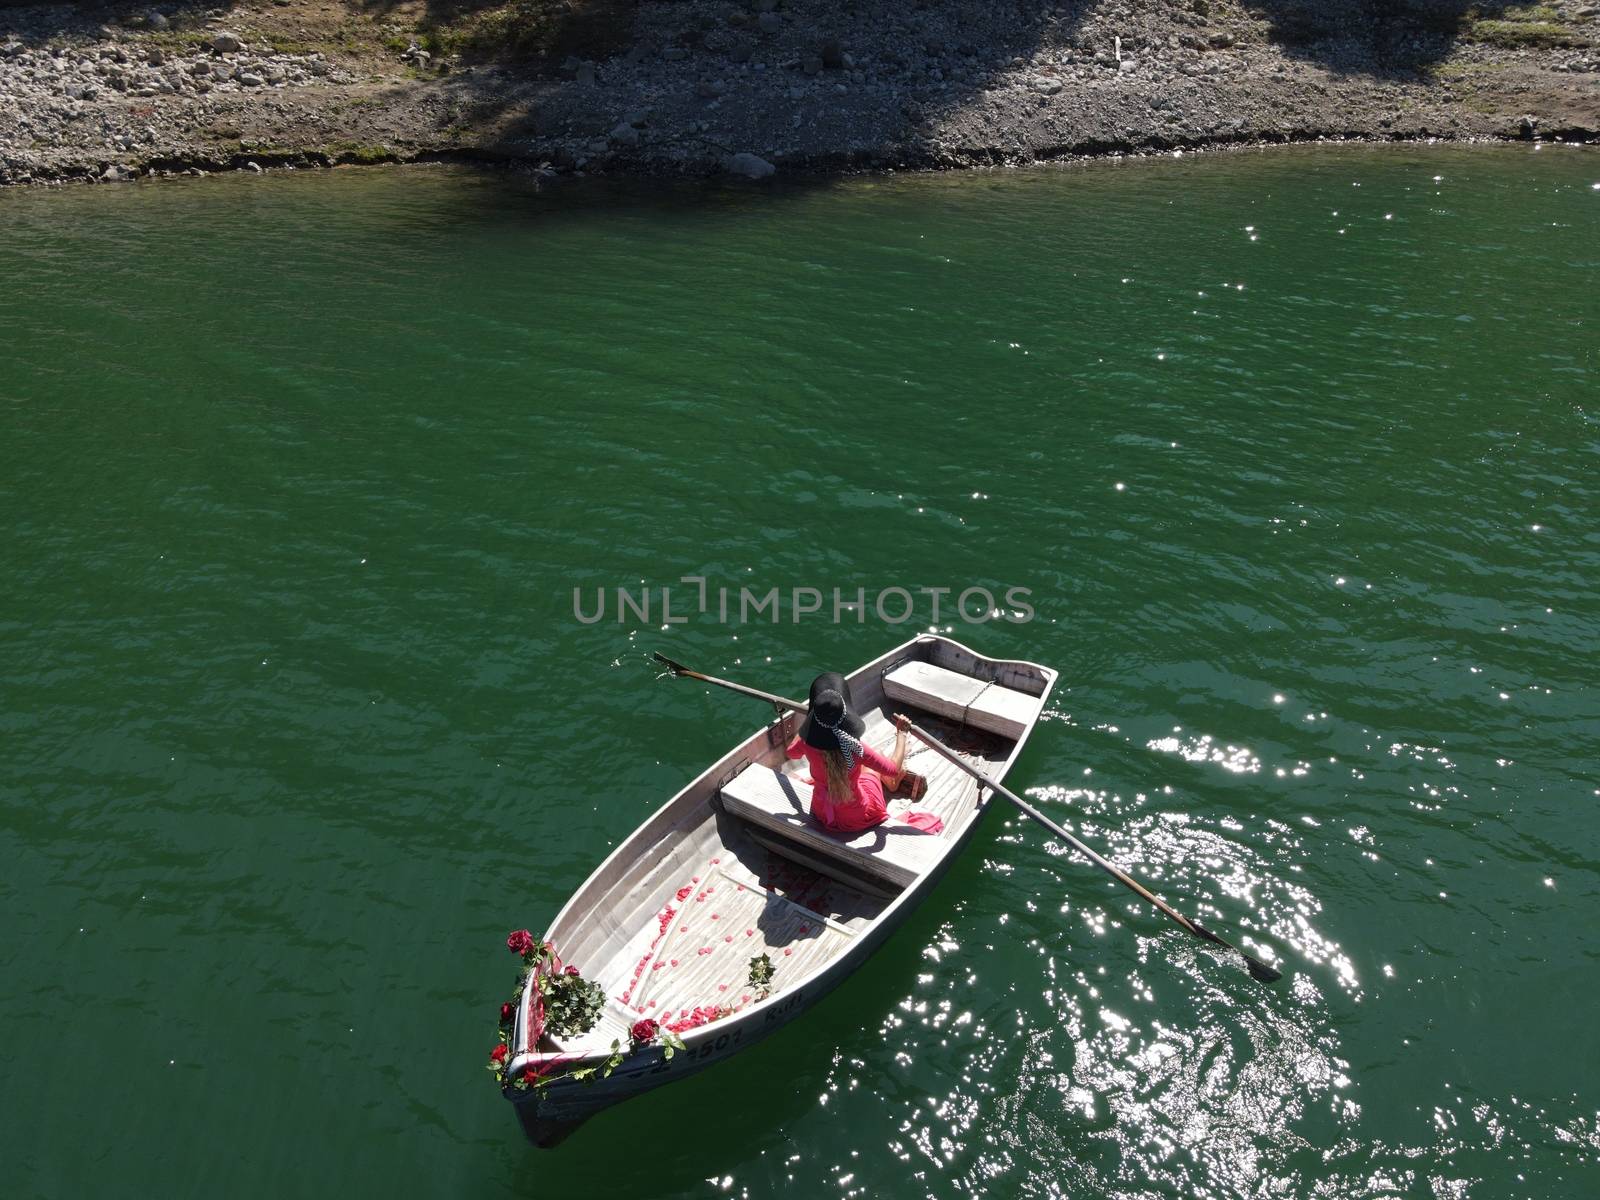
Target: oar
1259, 970
778, 702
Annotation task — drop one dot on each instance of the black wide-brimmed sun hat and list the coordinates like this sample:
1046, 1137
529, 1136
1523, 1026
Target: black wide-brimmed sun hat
830, 708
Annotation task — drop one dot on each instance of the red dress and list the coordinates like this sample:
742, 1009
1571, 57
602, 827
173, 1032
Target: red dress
866, 807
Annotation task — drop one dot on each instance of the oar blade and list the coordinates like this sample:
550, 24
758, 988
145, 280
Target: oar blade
1260, 971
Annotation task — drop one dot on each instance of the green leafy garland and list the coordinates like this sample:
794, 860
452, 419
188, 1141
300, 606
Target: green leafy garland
568, 1006
564, 1004
761, 975
571, 1003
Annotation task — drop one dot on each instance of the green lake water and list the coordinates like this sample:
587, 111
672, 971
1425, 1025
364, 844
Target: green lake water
1296, 455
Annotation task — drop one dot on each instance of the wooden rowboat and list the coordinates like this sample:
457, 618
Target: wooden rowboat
732, 867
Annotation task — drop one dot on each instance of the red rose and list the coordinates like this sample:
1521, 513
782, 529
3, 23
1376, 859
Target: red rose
572, 970
520, 942
498, 1054
505, 1012
644, 1031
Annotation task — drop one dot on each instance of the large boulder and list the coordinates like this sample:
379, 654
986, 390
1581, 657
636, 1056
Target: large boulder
751, 166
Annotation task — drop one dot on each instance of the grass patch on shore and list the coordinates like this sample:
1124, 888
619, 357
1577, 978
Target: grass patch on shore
1526, 27
1468, 73
359, 152
534, 29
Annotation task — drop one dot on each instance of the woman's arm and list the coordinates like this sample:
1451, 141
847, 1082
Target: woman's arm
793, 747
890, 766
901, 724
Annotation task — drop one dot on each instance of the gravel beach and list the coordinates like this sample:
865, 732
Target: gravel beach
759, 87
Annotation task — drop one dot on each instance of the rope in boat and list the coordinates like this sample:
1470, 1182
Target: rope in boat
966, 711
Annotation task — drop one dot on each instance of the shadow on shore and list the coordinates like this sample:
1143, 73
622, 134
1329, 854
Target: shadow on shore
943, 55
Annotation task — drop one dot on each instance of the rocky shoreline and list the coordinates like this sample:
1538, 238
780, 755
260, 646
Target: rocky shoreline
754, 87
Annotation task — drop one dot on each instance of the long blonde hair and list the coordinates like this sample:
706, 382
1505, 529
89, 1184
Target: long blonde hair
839, 789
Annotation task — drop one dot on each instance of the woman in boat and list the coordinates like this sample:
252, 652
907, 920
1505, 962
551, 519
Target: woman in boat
848, 777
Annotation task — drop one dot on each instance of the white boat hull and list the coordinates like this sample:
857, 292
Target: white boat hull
601, 922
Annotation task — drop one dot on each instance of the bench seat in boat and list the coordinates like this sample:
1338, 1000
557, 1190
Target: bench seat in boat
773, 800
957, 697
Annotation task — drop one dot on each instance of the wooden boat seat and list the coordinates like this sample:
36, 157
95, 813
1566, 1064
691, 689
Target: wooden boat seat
777, 802
957, 697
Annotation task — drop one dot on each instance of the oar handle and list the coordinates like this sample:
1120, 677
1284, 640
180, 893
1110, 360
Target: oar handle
1258, 969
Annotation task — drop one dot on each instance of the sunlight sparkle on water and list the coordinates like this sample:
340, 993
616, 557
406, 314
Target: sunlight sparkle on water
1238, 760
